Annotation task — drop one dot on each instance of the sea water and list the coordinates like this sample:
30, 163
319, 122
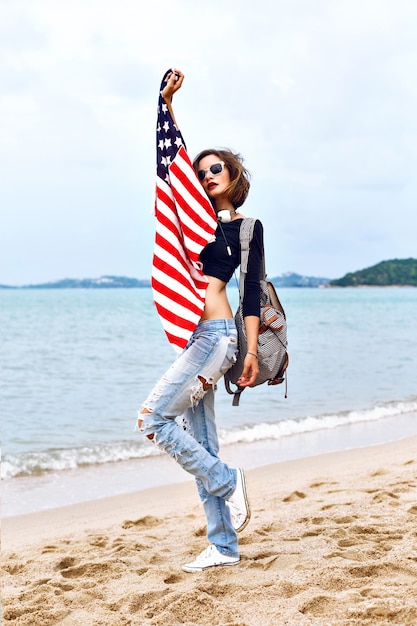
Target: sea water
77, 364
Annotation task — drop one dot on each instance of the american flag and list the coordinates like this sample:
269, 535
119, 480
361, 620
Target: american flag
185, 223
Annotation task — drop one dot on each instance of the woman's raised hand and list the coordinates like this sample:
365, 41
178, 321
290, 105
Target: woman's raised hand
174, 82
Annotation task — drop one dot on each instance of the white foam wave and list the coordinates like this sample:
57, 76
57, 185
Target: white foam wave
34, 463
286, 428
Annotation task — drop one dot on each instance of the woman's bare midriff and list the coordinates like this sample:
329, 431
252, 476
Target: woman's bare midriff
217, 306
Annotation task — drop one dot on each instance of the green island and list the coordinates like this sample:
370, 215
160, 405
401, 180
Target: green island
393, 273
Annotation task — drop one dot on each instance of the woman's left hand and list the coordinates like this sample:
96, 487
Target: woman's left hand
250, 371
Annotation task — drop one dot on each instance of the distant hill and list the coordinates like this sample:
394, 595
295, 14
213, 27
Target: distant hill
397, 272
290, 279
108, 282
103, 282
384, 274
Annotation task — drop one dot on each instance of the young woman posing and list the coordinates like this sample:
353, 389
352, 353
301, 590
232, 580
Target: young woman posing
188, 387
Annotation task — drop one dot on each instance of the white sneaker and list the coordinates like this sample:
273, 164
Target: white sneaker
239, 503
210, 557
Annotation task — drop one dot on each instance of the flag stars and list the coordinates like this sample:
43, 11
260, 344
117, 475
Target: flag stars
165, 161
167, 143
166, 126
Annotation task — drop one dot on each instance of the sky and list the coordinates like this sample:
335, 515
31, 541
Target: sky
319, 96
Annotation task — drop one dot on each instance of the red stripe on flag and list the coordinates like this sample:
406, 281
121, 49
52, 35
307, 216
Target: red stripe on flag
169, 292
173, 276
186, 231
164, 265
166, 199
176, 341
175, 320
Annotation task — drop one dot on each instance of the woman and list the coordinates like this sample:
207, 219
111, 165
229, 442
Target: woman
188, 387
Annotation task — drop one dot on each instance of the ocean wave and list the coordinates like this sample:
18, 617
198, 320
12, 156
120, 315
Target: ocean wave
56, 460
286, 428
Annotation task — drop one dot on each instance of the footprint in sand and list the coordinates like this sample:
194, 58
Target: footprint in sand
326, 507
346, 543
267, 529
89, 570
345, 519
319, 605
65, 563
144, 522
322, 484
379, 472
49, 548
264, 560
172, 579
295, 496
98, 540
14, 568
314, 532
383, 496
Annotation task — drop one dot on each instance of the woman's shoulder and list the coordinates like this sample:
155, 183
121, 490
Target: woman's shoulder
236, 223
241, 217
258, 226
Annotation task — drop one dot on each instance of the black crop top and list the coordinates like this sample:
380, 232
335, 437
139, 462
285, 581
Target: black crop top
219, 264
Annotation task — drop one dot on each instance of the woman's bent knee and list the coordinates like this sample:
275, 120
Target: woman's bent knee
140, 422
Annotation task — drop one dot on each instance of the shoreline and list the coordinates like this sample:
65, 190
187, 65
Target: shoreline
330, 542
162, 499
27, 495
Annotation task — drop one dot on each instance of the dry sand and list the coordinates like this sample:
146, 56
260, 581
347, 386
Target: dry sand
332, 541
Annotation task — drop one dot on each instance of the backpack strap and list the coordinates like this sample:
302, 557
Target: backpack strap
245, 235
236, 393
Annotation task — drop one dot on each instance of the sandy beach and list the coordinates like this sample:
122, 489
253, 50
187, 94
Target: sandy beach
332, 541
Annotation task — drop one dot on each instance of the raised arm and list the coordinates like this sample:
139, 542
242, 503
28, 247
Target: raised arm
174, 82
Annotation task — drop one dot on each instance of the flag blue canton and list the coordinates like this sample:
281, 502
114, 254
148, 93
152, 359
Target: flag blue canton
168, 137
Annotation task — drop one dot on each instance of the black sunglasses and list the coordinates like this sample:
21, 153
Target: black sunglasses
215, 169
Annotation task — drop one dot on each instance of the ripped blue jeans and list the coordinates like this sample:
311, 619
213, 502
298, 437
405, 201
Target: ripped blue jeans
187, 389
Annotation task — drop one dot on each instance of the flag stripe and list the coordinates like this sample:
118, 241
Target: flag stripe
176, 323
167, 254
176, 292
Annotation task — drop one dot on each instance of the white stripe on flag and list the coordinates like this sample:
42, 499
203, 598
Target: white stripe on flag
178, 310
173, 284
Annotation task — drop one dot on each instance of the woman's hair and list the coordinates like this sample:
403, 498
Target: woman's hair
238, 190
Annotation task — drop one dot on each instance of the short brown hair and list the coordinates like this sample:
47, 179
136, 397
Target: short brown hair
238, 190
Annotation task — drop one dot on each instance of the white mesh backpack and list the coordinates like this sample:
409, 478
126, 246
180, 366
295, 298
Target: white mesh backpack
272, 339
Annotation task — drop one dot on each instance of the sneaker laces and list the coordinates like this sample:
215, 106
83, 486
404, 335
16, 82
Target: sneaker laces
235, 512
206, 553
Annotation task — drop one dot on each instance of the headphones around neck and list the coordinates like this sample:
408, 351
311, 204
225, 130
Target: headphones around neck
225, 216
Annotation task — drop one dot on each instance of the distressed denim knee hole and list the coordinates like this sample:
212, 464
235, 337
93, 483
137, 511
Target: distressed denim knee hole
142, 427
199, 390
